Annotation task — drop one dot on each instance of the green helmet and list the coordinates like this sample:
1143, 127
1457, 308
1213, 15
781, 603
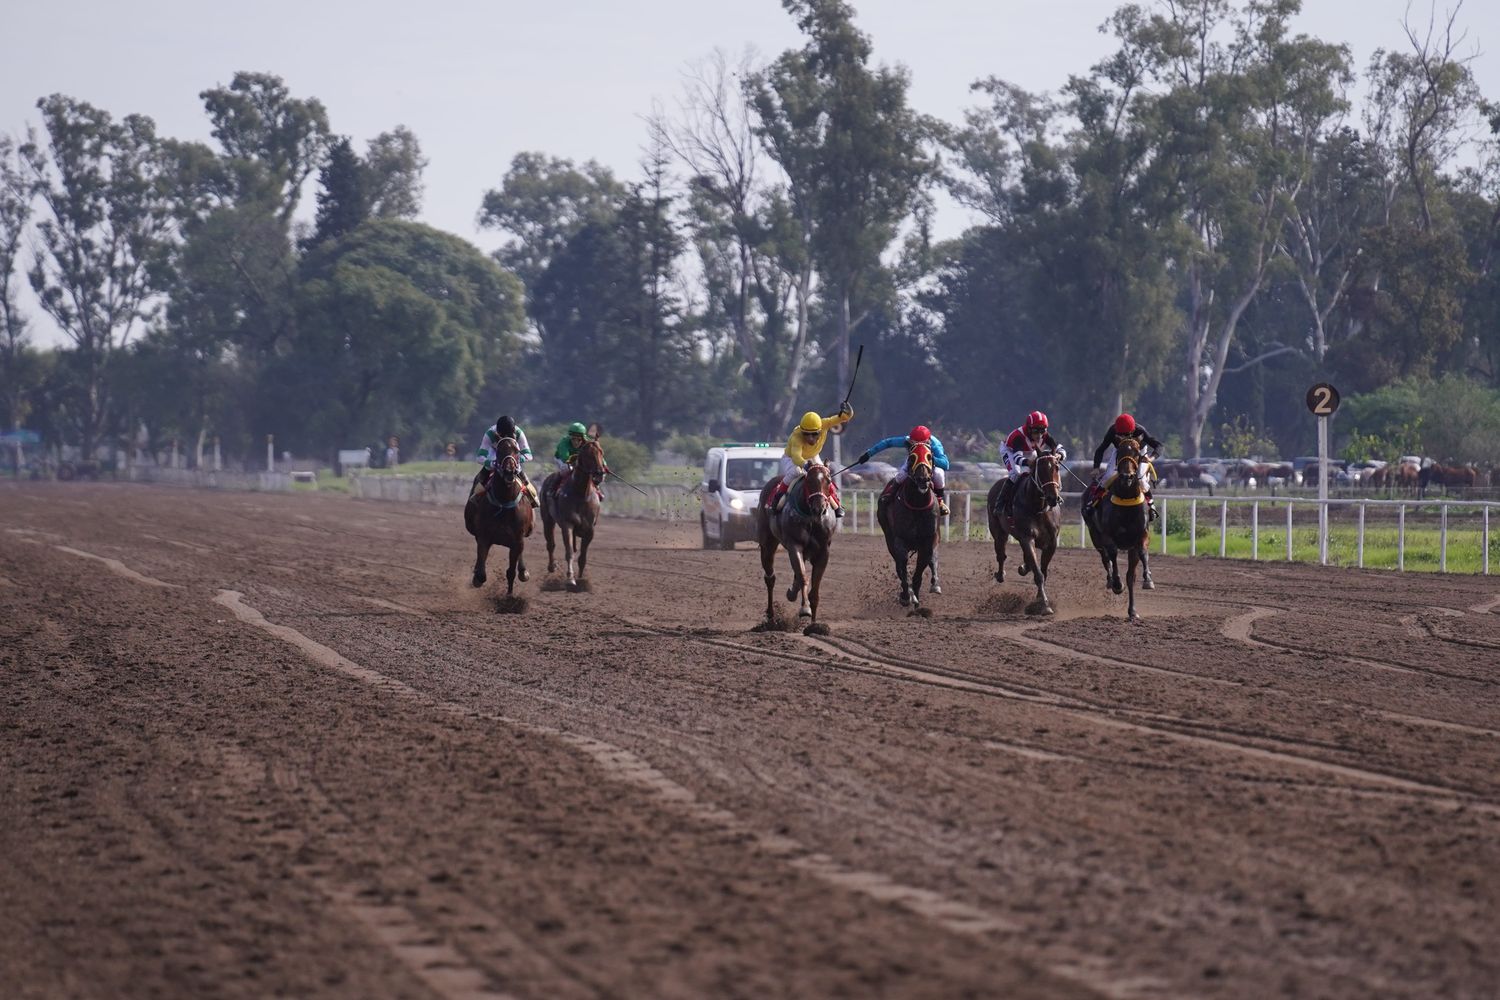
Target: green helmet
577, 428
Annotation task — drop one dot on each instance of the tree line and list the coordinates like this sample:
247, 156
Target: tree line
1214, 216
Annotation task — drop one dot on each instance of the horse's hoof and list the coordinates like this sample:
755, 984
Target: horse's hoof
791, 593
905, 599
522, 575
804, 613
1117, 587
1134, 616
1000, 576
935, 589
1148, 584
478, 581
572, 586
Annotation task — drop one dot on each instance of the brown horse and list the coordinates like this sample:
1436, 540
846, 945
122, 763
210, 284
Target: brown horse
1035, 524
500, 514
805, 525
1448, 477
572, 503
1120, 520
908, 515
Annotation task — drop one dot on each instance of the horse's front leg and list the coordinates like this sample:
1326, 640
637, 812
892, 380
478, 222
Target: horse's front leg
768, 571
1000, 540
547, 524
936, 587
584, 537
897, 549
510, 571
567, 540
798, 590
1146, 582
479, 559
1039, 605
818, 566
1133, 559
924, 563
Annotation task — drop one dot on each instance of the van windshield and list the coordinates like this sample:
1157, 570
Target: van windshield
749, 473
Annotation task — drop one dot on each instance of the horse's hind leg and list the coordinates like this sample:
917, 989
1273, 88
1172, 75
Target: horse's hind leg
1134, 558
798, 590
898, 552
1000, 537
924, 562
1146, 582
936, 587
582, 540
479, 559
818, 566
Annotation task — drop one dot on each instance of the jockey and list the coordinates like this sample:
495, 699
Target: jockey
568, 445
1122, 429
1020, 447
567, 450
919, 435
504, 427
802, 447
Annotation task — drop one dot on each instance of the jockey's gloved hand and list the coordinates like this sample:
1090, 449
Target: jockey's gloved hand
1062, 453
1098, 471
864, 457
846, 410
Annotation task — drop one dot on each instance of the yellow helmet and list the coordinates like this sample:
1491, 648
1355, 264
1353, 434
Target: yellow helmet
811, 423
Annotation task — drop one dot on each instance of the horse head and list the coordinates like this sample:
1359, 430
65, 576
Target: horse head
590, 462
816, 488
919, 467
1046, 472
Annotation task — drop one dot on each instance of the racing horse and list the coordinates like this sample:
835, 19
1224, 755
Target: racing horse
571, 502
907, 513
1121, 520
1035, 523
804, 526
499, 513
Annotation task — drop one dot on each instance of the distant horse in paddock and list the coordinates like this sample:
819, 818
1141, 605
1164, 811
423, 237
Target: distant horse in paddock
570, 500
499, 513
805, 526
907, 513
1035, 524
1448, 477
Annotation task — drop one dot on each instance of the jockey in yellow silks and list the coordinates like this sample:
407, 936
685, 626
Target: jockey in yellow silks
803, 446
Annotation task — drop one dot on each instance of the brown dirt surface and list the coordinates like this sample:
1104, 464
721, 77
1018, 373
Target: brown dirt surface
260, 745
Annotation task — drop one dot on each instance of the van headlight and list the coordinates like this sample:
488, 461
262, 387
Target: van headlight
736, 503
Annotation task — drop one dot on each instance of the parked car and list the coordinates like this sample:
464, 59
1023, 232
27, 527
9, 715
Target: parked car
868, 474
733, 474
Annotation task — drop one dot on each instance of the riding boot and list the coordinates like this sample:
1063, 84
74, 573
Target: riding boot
1007, 491
1150, 508
774, 503
942, 500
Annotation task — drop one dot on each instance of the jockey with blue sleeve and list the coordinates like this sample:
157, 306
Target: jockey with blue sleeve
918, 435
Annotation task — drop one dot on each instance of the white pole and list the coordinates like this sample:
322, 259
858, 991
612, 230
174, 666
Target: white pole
1193, 526
1289, 531
270, 453
1163, 512
1083, 529
1223, 528
1323, 491
1443, 539
854, 511
968, 513
1361, 536
1255, 529
948, 528
1401, 537
218, 456
1486, 541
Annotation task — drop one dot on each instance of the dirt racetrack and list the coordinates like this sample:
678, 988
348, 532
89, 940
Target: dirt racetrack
259, 745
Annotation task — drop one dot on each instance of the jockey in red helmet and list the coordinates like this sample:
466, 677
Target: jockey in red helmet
1020, 447
1123, 428
918, 435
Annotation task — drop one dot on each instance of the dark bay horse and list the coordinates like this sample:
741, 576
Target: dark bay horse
500, 514
908, 515
572, 503
805, 526
1121, 520
1035, 525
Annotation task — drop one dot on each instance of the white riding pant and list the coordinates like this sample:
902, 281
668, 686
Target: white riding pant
939, 477
791, 470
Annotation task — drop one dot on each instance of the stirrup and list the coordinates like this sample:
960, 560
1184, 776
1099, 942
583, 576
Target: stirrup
943, 510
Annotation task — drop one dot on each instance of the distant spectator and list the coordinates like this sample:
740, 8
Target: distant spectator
392, 454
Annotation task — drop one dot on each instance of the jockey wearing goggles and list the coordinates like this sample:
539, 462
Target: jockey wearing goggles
1124, 428
802, 447
1020, 448
488, 453
918, 435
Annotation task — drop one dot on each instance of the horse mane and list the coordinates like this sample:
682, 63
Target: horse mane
594, 453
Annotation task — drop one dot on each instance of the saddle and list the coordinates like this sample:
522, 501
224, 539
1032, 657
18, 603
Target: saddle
565, 479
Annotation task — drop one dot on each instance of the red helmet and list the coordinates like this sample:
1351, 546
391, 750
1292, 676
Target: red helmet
1124, 424
919, 433
1036, 419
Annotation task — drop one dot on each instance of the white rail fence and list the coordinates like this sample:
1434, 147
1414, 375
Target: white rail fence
274, 482
1438, 534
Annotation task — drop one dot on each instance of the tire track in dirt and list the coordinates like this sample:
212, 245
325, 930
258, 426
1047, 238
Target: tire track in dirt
1207, 735
624, 766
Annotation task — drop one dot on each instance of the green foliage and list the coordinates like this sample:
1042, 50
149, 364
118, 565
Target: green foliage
626, 458
343, 201
1239, 439
1453, 419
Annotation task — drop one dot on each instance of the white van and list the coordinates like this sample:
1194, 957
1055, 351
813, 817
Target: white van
733, 474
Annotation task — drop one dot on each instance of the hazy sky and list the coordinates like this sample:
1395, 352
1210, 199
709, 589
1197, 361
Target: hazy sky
480, 80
